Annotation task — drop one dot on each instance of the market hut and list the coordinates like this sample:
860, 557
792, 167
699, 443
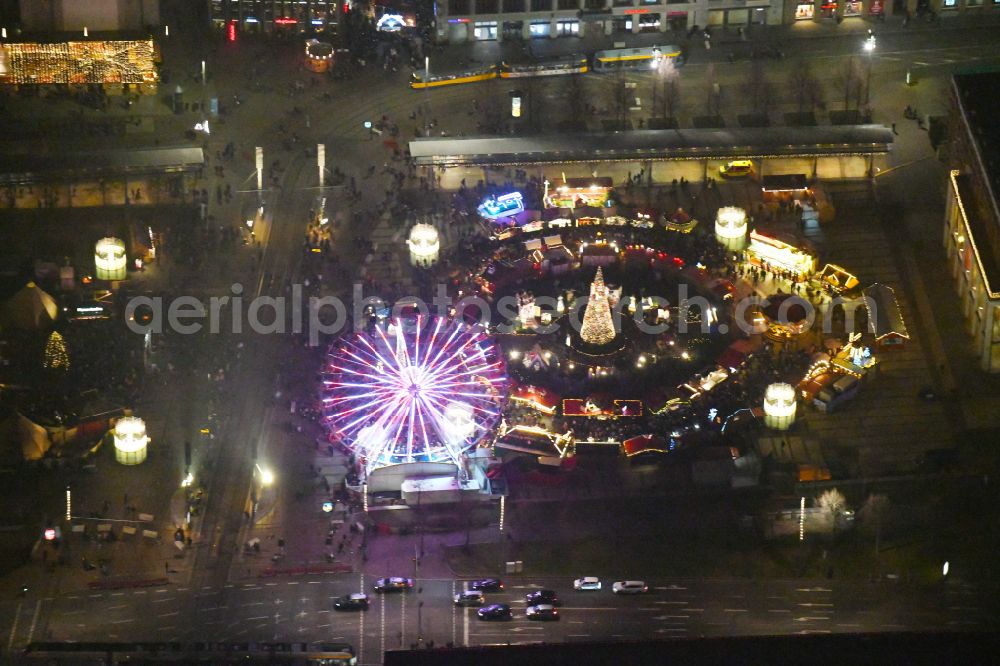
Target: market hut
885, 321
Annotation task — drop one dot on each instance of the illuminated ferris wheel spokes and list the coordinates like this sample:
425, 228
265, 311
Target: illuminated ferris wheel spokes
421, 393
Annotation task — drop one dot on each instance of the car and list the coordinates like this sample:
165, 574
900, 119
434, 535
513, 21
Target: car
736, 169
470, 598
350, 602
542, 613
587, 583
487, 585
393, 584
543, 597
629, 587
495, 612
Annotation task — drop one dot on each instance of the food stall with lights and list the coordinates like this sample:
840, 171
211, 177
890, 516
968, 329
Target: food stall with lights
772, 253
576, 192
319, 56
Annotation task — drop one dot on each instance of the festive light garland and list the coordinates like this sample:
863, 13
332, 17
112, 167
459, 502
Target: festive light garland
81, 62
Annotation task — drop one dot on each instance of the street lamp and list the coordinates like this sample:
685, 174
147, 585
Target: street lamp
869, 47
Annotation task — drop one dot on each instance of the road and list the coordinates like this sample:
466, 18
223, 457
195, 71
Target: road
301, 609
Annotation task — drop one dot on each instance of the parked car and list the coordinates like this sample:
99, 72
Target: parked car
351, 602
629, 587
470, 598
587, 583
394, 584
542, 613
487, 585
495, 612
543, 597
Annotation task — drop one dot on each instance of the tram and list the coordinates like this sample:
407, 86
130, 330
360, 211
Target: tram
649, 56
418, 82
574, 64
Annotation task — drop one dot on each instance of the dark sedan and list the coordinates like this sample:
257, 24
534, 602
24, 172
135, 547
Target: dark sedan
351, 602
544, 597
495, 612
394, 584
487, 585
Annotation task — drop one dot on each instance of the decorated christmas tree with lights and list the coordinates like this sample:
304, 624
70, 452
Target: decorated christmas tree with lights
56, 357
598, 326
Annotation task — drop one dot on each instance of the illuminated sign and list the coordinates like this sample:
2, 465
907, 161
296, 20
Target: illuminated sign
231, 31
636, 11
502, 206
390, 23
285, 21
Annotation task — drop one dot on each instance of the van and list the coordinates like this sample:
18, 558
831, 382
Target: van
736, 169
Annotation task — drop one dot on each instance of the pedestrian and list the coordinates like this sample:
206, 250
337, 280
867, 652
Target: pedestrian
166, 567
894, 129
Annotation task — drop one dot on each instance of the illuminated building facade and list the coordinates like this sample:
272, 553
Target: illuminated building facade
972, 214
275, 15
95, 15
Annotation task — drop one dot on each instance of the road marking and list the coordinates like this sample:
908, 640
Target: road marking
920, 62
577, 635
672, 603
849, 626
253, 619
812, 589
778, 610
315, 582
809, 604
811, 618
465, 631
111, 608
131, 619
270, 584
161, 601
13, 629
117, 594
164, 628
169, 614
293, 582
182, 589
735, 610
670, 587
94, 596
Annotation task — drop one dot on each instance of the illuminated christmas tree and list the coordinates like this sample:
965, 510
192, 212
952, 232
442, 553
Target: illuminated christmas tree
56, 357
598, 326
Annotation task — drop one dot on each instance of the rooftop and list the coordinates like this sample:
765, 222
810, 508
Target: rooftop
686, 144
979, 94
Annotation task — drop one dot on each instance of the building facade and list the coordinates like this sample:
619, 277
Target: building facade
292, 16
96, 15
972, 214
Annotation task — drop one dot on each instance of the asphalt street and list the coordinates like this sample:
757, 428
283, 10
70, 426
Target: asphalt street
302, 609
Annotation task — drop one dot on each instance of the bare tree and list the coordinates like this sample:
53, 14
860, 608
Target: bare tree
712, 101
757, 89
801, 84
833, 502
666, 82
873, 514
620, 97
851, 83
575, 98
